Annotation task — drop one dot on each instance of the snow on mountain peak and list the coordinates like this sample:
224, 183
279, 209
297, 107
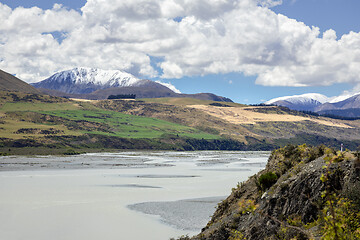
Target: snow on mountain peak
343, 97
301, 99
87, 80
82, 75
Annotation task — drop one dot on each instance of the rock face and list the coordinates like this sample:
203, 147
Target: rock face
295, 195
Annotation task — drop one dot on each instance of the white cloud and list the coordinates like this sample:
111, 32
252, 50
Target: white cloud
209, 37
170, 86
270, 3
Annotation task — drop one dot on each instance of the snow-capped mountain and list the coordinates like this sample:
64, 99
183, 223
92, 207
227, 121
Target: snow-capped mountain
348, 103
342, 97
307, 97
92, 83
87, 80
304, 102
344, 105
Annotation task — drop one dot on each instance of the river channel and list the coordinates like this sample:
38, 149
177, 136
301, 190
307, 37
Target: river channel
125, 195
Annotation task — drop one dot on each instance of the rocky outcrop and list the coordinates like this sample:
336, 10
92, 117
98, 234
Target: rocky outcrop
293, 201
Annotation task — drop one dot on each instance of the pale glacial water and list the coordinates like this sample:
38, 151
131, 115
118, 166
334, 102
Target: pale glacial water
126, 195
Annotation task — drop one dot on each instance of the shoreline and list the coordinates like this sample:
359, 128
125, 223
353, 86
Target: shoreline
116, 159
43, 151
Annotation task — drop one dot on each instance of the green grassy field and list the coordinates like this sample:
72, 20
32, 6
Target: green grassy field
129, 126
73, 119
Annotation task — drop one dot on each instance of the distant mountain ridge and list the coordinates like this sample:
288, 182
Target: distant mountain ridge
96, 84
351, 102
304, 102
302, 98
348, 107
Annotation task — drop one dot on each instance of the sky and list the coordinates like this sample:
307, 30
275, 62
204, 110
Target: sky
247, 50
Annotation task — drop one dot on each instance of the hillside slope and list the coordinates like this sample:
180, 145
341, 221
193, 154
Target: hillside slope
10, 83
31, 123
259, 127
292, 204
34, 121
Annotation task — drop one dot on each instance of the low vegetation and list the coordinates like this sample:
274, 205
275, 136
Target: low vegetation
122, 96
266, 180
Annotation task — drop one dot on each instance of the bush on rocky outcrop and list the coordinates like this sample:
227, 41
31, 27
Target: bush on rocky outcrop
266, 180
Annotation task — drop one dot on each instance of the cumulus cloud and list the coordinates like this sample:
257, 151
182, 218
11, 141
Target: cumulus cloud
193, 37
170, 86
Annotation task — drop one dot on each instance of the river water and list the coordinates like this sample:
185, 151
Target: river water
125, 195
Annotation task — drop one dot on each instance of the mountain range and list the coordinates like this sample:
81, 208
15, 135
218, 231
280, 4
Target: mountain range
340, 106
96, 84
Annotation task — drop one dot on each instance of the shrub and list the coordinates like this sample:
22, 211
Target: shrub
71, 152
247, 206
266, 180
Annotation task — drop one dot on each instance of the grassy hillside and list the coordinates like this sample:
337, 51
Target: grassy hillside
259, 127
40, 121
180, 113
128, 126
29, 120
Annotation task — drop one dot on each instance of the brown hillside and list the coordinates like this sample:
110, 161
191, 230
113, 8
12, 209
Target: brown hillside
10, 83
263, 126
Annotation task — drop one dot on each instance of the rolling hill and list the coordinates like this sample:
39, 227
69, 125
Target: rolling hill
31, 122
258, 127
9, 82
